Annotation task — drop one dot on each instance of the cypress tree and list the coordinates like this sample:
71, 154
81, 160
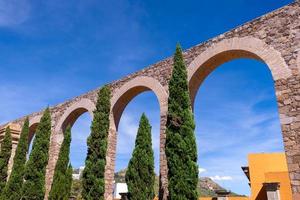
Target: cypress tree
93, 175
61, 186
35, 169
5, 153
181, 149
69, 180
140, 175
12, 190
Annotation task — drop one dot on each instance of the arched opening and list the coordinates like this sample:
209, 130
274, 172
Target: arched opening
33, 124
234, 48
79, 117
236, 112
127, 131
31, 136
78, 150
73, 117
80, 132
126, 122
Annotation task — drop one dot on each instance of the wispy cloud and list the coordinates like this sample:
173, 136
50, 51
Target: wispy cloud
14, 12
201, 170
129, 125
221, 178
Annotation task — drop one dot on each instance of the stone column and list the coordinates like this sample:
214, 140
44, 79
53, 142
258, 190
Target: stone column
288, 98
11, 159
163, 168
15, 131
54, 148
272, 190
110, 159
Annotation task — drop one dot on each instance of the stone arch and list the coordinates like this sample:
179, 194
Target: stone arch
121, 97
133, 88
252, 48
234, 48
33, 123
72, 113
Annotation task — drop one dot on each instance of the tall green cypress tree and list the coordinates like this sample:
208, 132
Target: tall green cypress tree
181, 149
93, 175
35, 169
5, 154
61, 186
140, 175
69, 180
12, 190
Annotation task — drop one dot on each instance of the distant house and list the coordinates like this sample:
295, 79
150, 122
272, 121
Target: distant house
119, 188
77, 173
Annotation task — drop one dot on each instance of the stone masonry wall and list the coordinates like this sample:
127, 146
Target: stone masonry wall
278, 30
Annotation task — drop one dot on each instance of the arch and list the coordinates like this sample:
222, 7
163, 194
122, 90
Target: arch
72, 113
131, 89
230, 49
121, 97
251, 48
33, 123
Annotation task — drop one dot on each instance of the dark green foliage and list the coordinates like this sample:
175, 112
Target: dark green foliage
62, 181
35, 169
181, 149
140, 175
6, 147
69, 180
76, 189
93, 174
12, 190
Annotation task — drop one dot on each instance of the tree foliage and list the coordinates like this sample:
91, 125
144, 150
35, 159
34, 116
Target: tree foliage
35, 169
6, 147
181, 149
62, 181
93, 175
140, 175
12, 190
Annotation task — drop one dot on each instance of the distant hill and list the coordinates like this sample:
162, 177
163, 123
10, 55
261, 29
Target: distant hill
206, 186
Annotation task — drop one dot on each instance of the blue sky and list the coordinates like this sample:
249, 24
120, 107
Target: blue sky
54, 50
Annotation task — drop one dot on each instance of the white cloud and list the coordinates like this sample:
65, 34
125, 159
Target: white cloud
239, 125
221, 178
13, 12
201, 170
128, 126
81, 129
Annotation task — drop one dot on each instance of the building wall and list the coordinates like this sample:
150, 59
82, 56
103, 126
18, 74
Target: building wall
269, 168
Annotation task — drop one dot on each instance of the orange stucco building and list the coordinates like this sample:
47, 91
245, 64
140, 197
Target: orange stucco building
228, 198
268, 176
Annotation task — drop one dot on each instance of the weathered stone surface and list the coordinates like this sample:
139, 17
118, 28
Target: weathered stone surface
273, 38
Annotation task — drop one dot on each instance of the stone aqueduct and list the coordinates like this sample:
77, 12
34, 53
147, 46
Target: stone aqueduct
273, 38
